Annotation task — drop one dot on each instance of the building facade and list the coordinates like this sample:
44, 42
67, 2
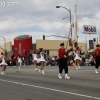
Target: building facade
7, 46
50, 46
54, 45
22, 45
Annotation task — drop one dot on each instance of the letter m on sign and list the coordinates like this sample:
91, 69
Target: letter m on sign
86, 29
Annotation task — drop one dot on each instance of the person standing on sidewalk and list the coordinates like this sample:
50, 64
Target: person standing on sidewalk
34, 56
62, 55
3, 63
97, 58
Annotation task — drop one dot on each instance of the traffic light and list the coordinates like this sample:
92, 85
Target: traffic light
94, 39
43, 37
76, 44
70, 42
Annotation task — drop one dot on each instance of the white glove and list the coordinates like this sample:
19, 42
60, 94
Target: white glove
66, 50
58, 57
64, 56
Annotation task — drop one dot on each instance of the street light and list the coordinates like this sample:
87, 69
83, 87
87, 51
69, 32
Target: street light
69, 10
64, 18
4, 41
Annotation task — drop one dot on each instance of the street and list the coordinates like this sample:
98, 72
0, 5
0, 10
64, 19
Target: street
26, 84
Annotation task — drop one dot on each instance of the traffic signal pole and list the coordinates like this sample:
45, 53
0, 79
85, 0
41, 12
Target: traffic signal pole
53, 35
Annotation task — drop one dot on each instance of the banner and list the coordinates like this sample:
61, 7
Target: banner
75, 27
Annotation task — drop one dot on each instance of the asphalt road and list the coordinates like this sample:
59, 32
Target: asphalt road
26, 84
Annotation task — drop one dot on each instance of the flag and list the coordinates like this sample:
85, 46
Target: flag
74, 27
99, 38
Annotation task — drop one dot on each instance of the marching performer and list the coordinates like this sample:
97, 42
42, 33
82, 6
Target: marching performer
77, 58
3, 63
97, 58
19, 61
14, 61
62, 54
34, 56
42, 60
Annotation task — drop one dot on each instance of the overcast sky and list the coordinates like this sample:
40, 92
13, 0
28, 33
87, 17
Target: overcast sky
41, 17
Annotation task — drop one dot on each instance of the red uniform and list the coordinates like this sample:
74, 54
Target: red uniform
62, 53
97, 52
14, 59
97, 58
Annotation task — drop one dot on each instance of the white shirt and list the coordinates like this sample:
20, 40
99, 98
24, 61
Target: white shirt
34, 56
19, 59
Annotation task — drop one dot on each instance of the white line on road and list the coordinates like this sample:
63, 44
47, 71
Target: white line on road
81, 95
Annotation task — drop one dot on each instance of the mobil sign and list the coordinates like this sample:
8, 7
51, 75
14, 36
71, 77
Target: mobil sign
88, 29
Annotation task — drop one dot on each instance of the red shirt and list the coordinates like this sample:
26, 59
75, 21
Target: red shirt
8, 60
14, 59
62, 52
97, 52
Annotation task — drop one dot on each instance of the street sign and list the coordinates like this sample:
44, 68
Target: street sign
91, 44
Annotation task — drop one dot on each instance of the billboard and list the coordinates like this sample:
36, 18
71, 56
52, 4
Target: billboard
88, 29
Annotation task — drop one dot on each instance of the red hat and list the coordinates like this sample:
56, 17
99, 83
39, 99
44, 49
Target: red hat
40, 48
76, 47
34, 51
2, 53
62, 44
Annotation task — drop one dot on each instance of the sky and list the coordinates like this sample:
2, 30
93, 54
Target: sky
41, 17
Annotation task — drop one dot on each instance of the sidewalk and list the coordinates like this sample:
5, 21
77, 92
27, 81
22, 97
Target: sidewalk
85, 72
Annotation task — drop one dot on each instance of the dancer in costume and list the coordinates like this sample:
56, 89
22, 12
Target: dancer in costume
19, 61
3, 63
42, 60
34, 56
62, 54
77, 58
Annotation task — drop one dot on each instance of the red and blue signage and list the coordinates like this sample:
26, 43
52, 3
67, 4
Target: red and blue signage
89, 29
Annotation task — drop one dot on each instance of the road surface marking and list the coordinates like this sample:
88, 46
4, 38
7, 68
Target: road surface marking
81, 95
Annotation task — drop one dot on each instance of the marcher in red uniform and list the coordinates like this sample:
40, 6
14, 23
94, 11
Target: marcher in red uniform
14, 59
97, 58
62, 54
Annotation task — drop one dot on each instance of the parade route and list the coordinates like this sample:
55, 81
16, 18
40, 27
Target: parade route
26, 84
50, 50
85, 72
